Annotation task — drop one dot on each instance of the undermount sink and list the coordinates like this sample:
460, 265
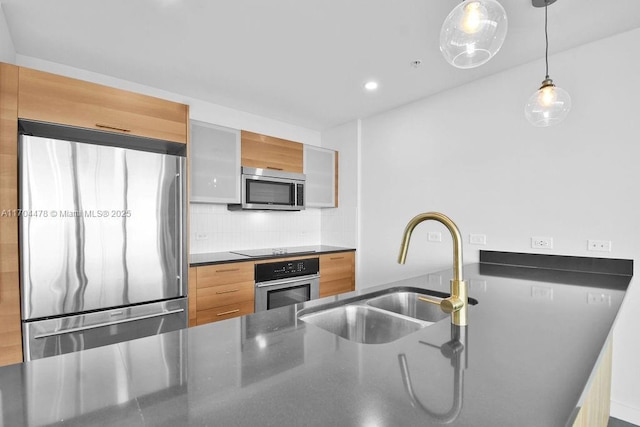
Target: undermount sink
362, 324
379, 317
408, 304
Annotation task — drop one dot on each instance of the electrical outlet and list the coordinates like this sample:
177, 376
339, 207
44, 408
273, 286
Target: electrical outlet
598, 298
542, 242
599, 245
542, 292
434, 236
202, 236
478, 239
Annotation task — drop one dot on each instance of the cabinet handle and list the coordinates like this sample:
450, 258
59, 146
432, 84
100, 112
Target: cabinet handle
337, 257
228, 270
228, 312
100, 125
227, 292
275, 169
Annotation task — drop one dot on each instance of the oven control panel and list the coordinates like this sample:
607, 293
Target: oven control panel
283, 269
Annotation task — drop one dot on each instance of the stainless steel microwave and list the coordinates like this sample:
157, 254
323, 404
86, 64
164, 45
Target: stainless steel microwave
269, 189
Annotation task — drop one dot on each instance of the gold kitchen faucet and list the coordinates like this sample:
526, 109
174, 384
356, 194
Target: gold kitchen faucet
457, 303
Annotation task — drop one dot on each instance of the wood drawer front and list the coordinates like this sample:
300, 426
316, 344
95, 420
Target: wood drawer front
333, 287
193, 304
337, 265
224, 312
337, 273
225, 274
57, 99
267, 152
218, 296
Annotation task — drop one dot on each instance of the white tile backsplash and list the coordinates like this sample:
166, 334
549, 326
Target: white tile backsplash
232, 230
339, 226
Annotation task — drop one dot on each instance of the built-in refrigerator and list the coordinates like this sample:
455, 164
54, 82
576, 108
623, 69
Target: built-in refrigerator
102, 238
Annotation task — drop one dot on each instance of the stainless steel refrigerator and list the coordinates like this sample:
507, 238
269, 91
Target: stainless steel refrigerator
102, 238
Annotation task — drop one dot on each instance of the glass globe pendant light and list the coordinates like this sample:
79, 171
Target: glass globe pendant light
550, 104
473, 33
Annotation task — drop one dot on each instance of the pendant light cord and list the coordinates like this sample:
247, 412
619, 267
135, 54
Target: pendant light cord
546, 40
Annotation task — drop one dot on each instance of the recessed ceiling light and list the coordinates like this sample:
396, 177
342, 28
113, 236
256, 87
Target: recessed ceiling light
371, 85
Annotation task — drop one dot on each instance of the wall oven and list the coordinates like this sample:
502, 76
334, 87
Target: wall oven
269, 189
288, 282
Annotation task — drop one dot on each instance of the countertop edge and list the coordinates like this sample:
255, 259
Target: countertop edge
243, 258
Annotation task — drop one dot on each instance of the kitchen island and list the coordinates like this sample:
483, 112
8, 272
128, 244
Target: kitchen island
529, 356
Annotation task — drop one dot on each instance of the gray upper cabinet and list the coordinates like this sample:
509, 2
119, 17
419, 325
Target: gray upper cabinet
320, 169
215, 163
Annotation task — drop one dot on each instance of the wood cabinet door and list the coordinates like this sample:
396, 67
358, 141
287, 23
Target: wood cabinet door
337, 273
10, 321
268, 152
56, 99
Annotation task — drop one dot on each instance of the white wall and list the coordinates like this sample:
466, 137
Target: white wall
213, 228
470, 153
339, 225
7, 51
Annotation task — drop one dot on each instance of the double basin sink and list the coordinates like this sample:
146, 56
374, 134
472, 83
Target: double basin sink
378, 317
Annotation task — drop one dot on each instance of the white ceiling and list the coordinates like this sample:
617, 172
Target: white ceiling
299, 61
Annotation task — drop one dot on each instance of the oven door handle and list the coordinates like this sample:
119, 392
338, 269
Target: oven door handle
287, 281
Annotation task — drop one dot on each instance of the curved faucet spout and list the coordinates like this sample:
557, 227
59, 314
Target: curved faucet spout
455, 235
457, 303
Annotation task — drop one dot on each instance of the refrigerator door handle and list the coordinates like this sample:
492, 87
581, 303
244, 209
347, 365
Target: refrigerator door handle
179, 225
100, 325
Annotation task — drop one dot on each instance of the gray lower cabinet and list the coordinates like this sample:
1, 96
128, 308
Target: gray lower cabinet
215, 163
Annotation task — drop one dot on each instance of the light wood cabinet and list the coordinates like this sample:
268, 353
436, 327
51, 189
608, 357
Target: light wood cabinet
193, 301
10, 322
223, 312
321, 170
268, 152
223, 291
595, 408
337, 273
52, 98
215, 163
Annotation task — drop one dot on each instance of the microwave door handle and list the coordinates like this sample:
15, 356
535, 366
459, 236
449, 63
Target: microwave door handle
287, 281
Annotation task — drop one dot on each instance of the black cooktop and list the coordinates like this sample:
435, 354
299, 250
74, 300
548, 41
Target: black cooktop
274, 252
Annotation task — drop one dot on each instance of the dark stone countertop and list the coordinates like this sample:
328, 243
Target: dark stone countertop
210, 258
531, 345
